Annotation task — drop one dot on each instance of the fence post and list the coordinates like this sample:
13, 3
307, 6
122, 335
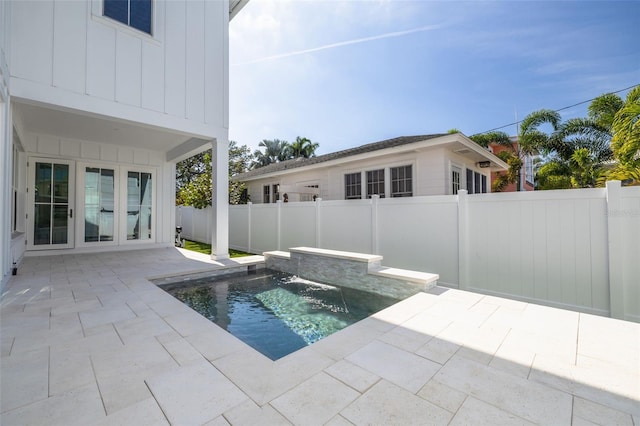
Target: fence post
279, 223
249, 204
463, 240
615, 236
374, 224
318, 226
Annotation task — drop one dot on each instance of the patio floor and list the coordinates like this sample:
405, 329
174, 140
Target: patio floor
86, 339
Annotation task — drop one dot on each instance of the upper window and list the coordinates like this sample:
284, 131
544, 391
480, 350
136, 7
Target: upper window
375, 183
401, 181
134, 13
352, 186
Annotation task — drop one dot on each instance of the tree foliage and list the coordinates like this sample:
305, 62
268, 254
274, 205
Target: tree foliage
625, 143
276, 150
194, 181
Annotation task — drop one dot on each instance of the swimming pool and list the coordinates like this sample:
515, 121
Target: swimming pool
274, 312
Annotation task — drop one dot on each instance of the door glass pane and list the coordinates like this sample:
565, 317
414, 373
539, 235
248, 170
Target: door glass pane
42, 224
145, 189
61, 183
99, 204
43, 183
91, 224
145, 223
59, 224
107, 186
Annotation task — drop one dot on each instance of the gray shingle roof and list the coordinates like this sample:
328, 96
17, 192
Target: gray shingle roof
301, 162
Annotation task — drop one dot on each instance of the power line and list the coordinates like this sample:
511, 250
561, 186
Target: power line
557, 110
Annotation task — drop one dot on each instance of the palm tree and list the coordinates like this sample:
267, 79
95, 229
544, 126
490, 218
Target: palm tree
303, 147
625, 143
274, 150
530, 141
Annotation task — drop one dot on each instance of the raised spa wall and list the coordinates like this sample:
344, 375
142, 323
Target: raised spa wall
346, 269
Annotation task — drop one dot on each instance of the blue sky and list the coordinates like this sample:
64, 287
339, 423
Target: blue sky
346, 73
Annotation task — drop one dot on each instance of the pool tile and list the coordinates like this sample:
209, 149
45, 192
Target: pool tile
249, 414
389, 404
315, 401
352, 375
479, 413
400, 367
210, 394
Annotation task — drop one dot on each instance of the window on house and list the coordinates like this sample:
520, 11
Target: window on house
139, 207
401, 181
266, 194
476, 182
276, 193
99, 187
352, 186
455, 180
528, 169
134, 13
375, 183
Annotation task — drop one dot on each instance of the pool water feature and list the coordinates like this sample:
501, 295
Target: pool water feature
274, 312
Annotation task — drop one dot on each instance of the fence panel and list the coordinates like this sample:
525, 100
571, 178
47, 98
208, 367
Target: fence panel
540, 246
630, 214
298, 225
264, 227
420, 233
239, 227
346, 225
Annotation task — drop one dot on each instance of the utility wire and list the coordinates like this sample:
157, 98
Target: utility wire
557, 110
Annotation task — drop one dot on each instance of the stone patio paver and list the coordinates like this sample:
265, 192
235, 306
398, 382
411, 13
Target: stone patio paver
88, 339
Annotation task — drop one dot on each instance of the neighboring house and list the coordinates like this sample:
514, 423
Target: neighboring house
98, 101
527, 175
402, 167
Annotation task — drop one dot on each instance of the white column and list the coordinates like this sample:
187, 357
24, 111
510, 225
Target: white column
220, 200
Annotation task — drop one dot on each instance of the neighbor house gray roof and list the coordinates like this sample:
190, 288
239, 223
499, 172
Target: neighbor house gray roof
301, 162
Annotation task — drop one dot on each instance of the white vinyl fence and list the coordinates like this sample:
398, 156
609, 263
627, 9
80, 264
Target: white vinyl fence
578, 249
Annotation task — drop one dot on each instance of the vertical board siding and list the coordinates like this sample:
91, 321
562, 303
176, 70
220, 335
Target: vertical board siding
32, 41
70, 45
214, 89
128, 69
195, 55
152, 90
101, 60
175, 58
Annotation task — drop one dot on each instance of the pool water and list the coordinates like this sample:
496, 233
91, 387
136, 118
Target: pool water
274, 312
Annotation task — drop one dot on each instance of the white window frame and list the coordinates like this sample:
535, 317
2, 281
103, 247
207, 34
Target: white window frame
377, 183
452, 187
344, 185
413, 179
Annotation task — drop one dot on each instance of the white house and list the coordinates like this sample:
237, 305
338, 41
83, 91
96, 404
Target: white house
402, 167
98, 101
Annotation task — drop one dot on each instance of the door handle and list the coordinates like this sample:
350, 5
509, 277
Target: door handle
71, 213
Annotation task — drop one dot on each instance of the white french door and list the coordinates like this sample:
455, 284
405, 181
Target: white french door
50, 216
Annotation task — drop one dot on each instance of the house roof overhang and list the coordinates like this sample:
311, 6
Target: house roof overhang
457, 143
236, 6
